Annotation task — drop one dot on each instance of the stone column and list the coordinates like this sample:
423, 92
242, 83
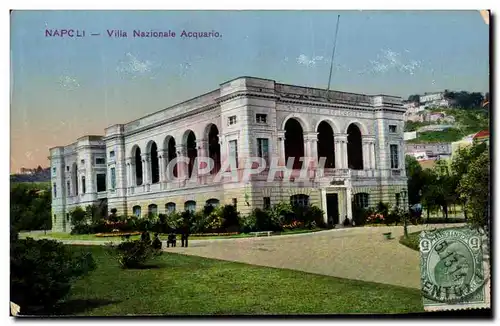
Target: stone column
342, 139
202, 146
146, 161
349, 203
324, 205
338, 154
281, 147
128, 173
162, 164
373, 166
182, 168
367, 159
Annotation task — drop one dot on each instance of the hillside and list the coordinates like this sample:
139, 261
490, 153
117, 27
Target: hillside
467, 122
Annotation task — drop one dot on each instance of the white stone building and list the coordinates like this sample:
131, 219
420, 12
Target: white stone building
360, 136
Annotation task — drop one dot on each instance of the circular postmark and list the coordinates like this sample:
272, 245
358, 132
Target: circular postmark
452, 265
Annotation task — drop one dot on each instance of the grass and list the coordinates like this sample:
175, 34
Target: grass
188, 285
93, 237
412, 241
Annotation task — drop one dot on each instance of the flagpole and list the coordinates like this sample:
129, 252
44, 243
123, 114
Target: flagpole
333, 56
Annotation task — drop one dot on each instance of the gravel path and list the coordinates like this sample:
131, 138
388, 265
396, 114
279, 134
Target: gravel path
355, 253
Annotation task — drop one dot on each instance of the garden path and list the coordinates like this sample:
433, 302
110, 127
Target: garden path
354, 253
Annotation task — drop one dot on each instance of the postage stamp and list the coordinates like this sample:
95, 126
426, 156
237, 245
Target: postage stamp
454, 269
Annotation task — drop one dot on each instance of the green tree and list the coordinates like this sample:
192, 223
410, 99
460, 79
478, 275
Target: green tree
475, 186
415, 179
460, 165
414, 98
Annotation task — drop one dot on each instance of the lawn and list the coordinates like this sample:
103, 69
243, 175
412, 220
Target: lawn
93, 237
412, 241
177, 284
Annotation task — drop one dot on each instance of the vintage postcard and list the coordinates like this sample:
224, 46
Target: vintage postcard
249, 163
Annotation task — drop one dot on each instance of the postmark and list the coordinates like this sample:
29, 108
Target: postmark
454, 269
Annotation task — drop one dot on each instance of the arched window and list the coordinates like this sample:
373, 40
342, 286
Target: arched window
213, 202
170, 208
294, 142
192, 152
326, 146
137, 210
138, 167
361, 200
171, 155
354, 148
190, 206
299, 200
155, 168
214, 148
152, 209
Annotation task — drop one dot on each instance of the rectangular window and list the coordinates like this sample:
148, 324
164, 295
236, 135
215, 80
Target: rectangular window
101, 182
67, 167
111, 154
100, 160
393, 128
231, 120
55, 190
235, 203
263, 148
82, 162
68, 188
113, 178
398, 197
267, 202
394, 157
83, 185
53, 170
233, 150
261, 118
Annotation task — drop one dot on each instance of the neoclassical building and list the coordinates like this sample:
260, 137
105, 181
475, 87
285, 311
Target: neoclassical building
359, 136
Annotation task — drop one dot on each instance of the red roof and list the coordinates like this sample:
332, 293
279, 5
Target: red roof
482, 134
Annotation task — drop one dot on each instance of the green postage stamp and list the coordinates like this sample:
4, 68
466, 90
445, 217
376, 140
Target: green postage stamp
454, 269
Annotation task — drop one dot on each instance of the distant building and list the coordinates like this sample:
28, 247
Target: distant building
434, 128
435, 100
410, 135
424, 151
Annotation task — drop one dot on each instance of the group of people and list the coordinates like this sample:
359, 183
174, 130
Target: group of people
171, 240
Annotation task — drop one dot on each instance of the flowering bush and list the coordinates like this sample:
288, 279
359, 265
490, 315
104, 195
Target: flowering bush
375, 218
293, 225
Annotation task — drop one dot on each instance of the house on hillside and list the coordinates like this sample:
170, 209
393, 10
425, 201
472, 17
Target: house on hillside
429, 151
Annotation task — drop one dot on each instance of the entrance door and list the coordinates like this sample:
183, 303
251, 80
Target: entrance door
332, 208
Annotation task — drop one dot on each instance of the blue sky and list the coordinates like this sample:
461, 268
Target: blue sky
66, 87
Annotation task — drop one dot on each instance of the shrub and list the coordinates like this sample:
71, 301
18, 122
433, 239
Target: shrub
248, 223
78, 217
133, 254
230, 217
266, 220
283, 212
42, 272
314, 217
214, 220
199, 222
360, 215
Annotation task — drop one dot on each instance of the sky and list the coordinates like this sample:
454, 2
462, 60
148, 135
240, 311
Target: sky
65, 87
